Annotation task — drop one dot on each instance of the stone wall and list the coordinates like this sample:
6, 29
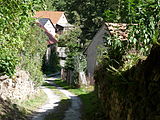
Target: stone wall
136, 95
17, 87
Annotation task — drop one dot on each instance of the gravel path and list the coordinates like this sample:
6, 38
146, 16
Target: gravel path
73, 112
53, 99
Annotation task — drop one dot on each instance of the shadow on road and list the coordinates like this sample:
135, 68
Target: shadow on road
90, 108
56, 113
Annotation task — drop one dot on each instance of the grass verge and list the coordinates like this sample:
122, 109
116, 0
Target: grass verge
59, 111
19, 111
91, 109
34, 102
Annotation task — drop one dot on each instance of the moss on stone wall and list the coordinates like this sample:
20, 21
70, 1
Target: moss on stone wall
134, 94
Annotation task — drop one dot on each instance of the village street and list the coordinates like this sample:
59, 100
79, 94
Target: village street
79, 60
73, 112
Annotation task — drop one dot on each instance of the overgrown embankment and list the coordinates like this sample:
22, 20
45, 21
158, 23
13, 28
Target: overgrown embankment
10, 110
128, 87
22, 46
134, 94
18, 96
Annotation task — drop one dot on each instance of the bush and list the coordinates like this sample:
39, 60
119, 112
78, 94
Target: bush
31, 56
15, 19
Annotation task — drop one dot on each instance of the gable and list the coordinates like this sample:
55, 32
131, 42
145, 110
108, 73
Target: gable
46, 22
62, 20
98, 38
52, 39
50, 27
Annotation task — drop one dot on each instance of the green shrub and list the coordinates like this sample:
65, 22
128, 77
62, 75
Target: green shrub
34, 48
21, 45
15, 19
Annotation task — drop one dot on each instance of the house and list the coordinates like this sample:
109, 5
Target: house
55, 22
57, 18
48, 25
47, 59
118, 29
51, 38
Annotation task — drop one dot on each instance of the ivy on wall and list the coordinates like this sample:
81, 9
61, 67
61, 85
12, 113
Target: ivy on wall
31, 56
15, 19
22, 45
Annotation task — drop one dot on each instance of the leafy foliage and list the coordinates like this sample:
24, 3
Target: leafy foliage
120, 56
146, 32
22, 44
144, 14
115, 49
51, 65
15, 18
74, 53
32, 53
75, 60
143, 29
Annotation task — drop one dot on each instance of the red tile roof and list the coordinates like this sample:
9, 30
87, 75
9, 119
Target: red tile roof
54, 16
115, 29
118, 29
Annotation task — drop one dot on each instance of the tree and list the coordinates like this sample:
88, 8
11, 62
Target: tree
75, 60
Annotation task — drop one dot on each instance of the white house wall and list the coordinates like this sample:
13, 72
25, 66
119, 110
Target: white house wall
50, 27
62, 20
92, 50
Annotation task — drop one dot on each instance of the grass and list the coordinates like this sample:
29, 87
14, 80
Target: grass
59, 111
34, 102
91, 109
20, 110
55, 90
62, 83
